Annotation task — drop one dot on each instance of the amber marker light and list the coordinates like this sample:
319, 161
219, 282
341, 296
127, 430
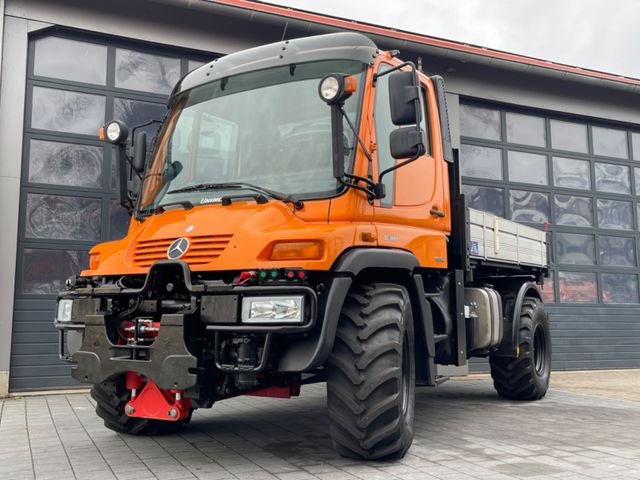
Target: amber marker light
309, 250
94, 260
350, 84
101, 134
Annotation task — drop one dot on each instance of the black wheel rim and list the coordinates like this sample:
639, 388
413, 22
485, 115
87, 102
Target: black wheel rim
406, 374
540, 350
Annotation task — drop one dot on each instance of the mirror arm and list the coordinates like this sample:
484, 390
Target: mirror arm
370, 183
391, 70
370, 195
399, 165
353, 129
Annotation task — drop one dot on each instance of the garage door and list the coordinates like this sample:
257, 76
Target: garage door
582, 177
68, 198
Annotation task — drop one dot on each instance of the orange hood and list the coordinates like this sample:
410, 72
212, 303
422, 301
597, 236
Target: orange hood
235, 237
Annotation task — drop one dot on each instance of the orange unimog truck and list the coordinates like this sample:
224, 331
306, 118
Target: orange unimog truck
300, 219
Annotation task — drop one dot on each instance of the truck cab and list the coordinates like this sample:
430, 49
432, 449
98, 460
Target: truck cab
299, 219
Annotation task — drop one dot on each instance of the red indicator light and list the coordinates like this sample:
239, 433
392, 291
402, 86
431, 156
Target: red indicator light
301, 274
289, 274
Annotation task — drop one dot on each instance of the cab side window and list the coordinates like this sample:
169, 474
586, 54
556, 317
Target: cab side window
384, 127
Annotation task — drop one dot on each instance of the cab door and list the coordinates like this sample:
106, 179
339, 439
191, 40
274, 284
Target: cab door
415, 213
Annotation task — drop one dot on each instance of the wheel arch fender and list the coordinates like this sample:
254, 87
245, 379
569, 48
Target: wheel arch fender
397, 266
513, 295
358, 264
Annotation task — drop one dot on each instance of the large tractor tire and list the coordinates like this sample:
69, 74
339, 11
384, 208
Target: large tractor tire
371, 374
527, 376
110, 407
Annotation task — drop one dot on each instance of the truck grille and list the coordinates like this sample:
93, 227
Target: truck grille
201, 250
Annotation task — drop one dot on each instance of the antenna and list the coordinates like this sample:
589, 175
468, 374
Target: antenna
284, 32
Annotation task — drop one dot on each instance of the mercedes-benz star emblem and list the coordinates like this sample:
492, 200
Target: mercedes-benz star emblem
178, 248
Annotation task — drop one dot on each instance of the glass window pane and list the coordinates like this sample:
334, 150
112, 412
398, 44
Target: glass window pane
479, 122
547, 291
525, 129
487, 199
529, 206
527, 168
635, 142
65, 164
575, 249
45, 271
135, 112
618, 288
609, 142
70, 60
617, 251
149, 73
571, 173
612, 178
481, 162
62, 217
569, 136
614, 214
636, 173
65, 111
573, 211
118, 221
384, 127
578, 287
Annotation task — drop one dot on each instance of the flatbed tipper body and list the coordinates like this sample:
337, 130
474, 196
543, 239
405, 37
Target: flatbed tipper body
300, 219
497, 240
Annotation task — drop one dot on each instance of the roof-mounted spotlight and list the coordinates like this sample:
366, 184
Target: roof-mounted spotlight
114, 132
335, 88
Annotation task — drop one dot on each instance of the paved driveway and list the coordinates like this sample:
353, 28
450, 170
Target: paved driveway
463, 431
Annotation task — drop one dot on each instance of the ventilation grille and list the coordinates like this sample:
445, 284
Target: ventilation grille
201, 250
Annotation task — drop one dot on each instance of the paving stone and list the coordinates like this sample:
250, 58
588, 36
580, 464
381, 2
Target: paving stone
462, 431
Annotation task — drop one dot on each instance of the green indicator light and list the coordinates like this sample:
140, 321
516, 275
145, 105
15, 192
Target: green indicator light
263, 274
274, 273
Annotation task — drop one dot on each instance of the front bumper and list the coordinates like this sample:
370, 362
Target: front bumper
171, 361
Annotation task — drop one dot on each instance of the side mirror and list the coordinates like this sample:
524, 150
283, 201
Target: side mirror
404, 94
406, 142
140, 152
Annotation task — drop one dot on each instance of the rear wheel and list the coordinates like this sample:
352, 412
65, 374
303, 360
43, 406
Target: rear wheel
111, 397
527, 376
371, 374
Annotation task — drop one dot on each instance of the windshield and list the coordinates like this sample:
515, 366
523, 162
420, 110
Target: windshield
268, 129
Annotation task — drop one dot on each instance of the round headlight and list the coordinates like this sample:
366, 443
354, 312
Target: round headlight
114, 132
329, 88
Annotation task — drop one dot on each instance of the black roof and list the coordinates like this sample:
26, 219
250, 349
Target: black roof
333, 46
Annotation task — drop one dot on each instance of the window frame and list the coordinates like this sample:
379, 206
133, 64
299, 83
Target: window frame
633, 196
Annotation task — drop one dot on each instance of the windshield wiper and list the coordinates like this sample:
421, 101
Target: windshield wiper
239, 186
186, 204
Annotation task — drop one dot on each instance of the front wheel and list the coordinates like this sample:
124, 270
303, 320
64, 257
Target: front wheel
371, 374
527, 376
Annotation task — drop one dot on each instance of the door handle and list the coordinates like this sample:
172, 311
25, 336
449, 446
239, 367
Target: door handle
436, 213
